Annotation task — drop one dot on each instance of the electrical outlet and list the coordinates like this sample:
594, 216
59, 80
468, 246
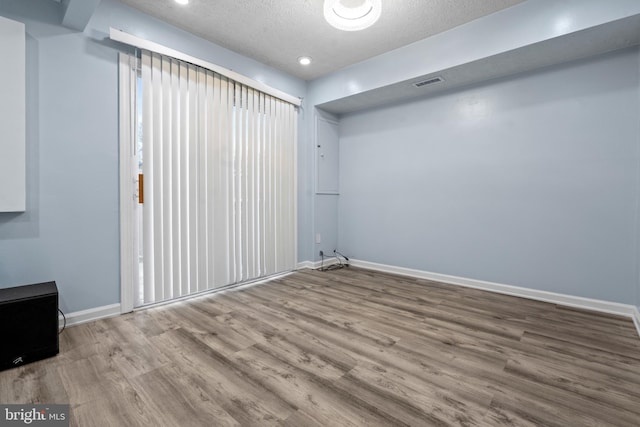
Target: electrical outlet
321, 253
318, 238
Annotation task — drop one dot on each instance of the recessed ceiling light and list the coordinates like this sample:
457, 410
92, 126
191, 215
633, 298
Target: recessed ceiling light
182, 1
352, 15
304, 60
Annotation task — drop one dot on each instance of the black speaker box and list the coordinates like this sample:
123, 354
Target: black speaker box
28, 324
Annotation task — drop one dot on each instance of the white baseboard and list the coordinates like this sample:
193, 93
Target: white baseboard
304, 264
314, 265
552, 297
84, 316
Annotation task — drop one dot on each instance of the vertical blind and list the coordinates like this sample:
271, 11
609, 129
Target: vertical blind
219, 181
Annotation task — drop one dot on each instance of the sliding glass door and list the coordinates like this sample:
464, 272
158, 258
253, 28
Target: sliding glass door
217, 181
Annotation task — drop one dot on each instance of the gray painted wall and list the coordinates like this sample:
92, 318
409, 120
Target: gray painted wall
528, 181
70, 231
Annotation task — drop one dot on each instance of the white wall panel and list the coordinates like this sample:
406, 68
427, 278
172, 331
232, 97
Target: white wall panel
12, 116
327, 156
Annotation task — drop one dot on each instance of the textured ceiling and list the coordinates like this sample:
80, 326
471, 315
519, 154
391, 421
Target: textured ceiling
277, 32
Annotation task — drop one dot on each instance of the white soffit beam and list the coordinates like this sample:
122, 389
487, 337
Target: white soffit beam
581, 44
77, 13
529, 23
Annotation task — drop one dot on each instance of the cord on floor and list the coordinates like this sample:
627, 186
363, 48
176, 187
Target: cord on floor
64, 323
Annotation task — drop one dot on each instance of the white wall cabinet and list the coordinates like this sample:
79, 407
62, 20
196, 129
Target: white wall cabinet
12, 116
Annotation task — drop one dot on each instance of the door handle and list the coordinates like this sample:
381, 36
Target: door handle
140, 188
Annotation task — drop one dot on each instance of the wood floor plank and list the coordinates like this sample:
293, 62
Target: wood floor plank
242, 397
451, 339
344, 347
35, 383
510, 409
311, 344
579, 381
581, 320
181, 404
405, 358
314, 395
549, 405
299, 418
623, 346
310, 358
560, 346
608, 373
85, 379
116, 406
410, 398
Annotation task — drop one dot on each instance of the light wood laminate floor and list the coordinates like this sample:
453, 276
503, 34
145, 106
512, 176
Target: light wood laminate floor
343, 348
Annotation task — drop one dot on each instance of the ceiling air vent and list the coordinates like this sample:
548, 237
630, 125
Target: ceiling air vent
430, 81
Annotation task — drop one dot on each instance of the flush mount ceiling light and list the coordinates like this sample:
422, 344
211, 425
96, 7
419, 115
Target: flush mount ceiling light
352, 15
304, 60
182, 1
